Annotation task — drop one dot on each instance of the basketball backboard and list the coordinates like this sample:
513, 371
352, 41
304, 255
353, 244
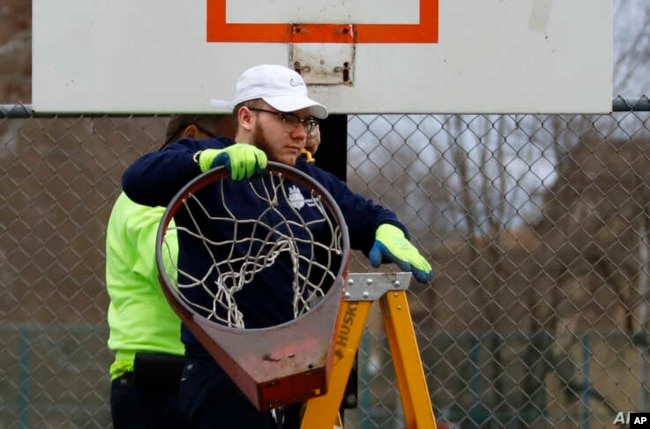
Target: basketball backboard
358, 56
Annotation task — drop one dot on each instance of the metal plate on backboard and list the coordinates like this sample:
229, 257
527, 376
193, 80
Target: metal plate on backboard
323, 63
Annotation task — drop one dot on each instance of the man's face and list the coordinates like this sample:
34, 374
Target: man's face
281, 140
313, 140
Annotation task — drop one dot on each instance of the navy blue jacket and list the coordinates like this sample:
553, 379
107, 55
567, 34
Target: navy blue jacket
155, 178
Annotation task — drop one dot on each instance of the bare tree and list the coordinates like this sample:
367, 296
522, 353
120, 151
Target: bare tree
631, 47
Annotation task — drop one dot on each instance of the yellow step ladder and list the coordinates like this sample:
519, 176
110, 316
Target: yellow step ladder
362, 290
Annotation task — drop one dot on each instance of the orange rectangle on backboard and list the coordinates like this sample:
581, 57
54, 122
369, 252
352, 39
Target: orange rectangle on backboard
219, 30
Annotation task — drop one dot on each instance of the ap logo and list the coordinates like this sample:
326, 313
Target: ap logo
639, 420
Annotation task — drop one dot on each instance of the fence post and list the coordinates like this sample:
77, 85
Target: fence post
23, 383
586, 368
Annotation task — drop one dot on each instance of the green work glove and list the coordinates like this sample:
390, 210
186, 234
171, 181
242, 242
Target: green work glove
392, 246
241, 159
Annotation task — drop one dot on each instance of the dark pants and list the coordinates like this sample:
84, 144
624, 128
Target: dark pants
211, 400
145, 402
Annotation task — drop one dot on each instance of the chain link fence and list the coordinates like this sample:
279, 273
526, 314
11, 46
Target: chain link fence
536, 225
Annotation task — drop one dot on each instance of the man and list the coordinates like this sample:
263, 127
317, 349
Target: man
275, 116
311, 146
144, 331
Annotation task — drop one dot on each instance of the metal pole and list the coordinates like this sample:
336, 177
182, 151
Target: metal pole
643, 313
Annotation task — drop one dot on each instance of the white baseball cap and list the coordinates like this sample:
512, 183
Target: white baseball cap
279, 86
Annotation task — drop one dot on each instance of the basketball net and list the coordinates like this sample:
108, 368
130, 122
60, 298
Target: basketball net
293, 225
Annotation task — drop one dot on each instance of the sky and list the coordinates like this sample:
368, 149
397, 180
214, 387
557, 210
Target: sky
631, 50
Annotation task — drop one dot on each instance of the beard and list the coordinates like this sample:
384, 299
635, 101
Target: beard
261, 141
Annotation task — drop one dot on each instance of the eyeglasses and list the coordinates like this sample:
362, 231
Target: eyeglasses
175, 136
206, 132
290, 120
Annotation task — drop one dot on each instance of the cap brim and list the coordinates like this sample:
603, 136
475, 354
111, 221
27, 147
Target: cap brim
292, 103
222, 105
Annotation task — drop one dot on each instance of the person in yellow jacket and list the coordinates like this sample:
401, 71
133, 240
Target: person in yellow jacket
144, 331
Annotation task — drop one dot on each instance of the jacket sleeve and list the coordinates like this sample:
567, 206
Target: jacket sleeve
362, 215
155, 178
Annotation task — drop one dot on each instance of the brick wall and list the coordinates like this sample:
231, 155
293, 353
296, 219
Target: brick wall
15, 51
